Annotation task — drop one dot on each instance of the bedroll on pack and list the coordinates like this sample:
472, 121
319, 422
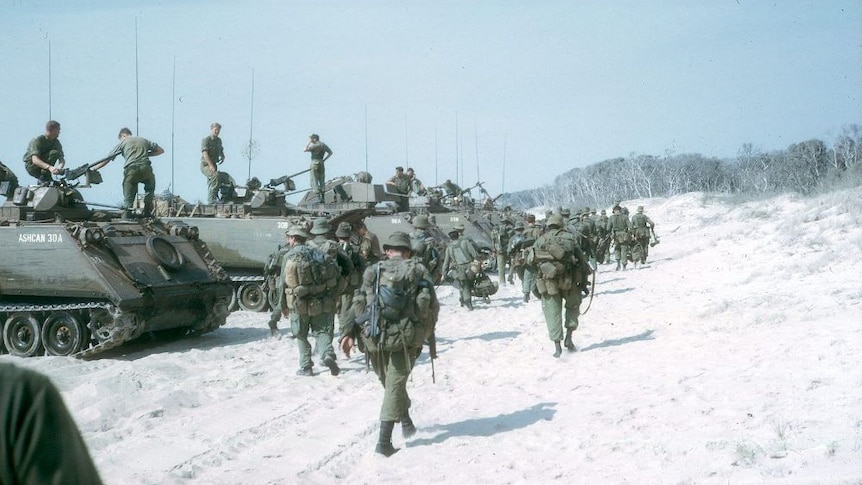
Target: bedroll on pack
311, 281
484, 286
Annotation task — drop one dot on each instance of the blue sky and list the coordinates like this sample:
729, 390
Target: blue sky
544, 85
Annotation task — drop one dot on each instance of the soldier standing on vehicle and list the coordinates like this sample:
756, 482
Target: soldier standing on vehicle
561, 281
393, 333
416, 185
137, 170
44, 156
212, 155
320, 153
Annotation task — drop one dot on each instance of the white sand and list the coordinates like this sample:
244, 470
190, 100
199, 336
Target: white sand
734, 357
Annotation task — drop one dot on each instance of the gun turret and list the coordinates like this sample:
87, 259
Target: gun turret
93, 176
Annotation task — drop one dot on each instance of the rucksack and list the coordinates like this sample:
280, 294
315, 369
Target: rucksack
311, 281
407, 305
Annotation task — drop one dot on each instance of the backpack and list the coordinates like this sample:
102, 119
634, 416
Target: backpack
406, 303
560, 261
311, 281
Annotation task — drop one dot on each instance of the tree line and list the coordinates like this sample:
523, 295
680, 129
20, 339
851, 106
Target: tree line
804, 167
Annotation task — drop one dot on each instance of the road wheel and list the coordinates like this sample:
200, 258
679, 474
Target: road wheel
251, 297
21, 335
62, 334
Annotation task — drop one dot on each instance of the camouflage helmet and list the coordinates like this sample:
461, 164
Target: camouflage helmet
397, 240
565, 212
344, 230
420, 221
296, 230
519, 226
531, 218
320, 226
640, 208
604, 212
458, 227
555, 220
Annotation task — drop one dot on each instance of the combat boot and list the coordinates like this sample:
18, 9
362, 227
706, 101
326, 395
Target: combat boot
558, 349
568, 342
384, 442
329, 361
408, 429
526, 297
618, 266
305, 371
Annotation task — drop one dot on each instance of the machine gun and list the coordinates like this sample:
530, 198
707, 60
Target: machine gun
287, 180
93, 176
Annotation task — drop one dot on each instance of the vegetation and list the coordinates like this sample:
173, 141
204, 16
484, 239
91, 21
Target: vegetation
804, 167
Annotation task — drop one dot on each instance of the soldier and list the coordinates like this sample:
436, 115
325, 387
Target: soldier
44, 156
369, 245
618, 228
642, 225
8, 181
585, 233
137, 170
416, 185
212, 155
604, 239
394, 350
320, 153
531, 233
516, 257
561, 281
423, 246
309, 313
452, 189
272, 270
399, 183
350, 250
460, 255
39, 441
502, 233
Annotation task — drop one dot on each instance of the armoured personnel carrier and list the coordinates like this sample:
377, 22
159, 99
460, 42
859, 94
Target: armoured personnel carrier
244, 227
74, 281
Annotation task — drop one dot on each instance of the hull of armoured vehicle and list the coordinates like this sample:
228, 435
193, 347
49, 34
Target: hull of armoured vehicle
76, 282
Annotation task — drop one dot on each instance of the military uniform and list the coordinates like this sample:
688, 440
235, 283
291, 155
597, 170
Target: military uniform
137, 170
319, 152
619, 229
49, 151
423, 247
528, 283
502, 234
460, 255
641, 227
561, 281
8, 181
213, 147
39, 441
394, 352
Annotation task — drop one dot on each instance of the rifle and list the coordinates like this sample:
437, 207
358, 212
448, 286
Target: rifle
286, 179
655, 238
371, 317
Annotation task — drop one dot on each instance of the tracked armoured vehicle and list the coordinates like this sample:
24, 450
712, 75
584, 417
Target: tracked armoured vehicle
74, 281
243, 228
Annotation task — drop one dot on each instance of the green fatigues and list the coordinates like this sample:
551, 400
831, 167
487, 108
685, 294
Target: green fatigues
459, 254
212, 145
321, 326
318, 169
137, 169
393, 366
528, 282
7, 175
278, 304
49, 151
501, 244
369, 248
552, 308
39, 441
641, 225
618, 227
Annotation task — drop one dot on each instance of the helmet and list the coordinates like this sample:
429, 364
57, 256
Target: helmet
640, 208
296, 230
320, 226
420, 221
397, 240
555, 220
